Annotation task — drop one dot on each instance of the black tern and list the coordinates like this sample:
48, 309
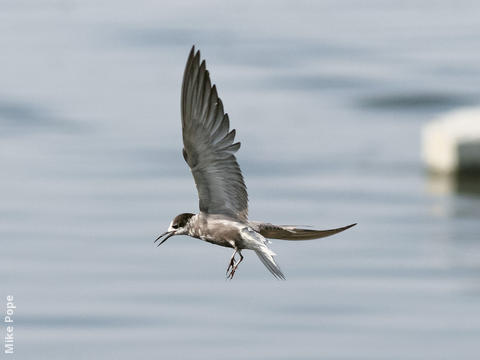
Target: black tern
208, 149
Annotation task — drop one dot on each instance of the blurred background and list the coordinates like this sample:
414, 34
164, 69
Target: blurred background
328, 99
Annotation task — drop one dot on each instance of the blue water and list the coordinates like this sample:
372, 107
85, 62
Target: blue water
328, 100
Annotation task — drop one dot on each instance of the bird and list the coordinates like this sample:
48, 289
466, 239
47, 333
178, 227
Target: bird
209, 149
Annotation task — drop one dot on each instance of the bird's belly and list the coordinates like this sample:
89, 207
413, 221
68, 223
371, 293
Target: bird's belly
216, 241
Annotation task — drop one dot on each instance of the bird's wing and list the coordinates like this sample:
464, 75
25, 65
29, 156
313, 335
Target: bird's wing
208, 144
289, 232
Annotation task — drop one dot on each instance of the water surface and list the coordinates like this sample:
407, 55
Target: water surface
328, 100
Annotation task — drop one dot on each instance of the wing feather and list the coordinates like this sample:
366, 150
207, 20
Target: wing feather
289, 232
208, 144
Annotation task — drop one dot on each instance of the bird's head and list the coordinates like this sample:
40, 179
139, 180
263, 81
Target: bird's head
178, 226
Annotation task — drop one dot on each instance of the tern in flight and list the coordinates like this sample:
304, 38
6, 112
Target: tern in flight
208, 149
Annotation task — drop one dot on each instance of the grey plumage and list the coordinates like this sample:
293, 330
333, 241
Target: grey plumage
208, 145
291, 232
208, 149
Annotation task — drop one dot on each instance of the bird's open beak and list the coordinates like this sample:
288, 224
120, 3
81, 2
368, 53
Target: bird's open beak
168, 233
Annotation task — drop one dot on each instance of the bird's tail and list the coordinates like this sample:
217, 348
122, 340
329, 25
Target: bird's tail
266, 257
258, 243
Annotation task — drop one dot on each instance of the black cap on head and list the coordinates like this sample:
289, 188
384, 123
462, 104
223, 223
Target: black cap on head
181, 220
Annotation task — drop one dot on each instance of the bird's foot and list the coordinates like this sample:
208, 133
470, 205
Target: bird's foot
232, 272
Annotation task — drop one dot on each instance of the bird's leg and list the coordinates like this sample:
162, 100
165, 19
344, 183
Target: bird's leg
239, 261
231, 265
234, 267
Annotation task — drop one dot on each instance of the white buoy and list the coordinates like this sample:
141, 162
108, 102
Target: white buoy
451, 143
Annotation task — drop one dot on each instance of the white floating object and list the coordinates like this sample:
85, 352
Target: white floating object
451, 143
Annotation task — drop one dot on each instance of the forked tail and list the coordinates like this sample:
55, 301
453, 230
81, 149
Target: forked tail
266, 257
258, 243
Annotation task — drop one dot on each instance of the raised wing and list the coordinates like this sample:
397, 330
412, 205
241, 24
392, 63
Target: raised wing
208, 145
289, 232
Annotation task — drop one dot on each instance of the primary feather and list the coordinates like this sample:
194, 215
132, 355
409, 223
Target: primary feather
290, 232
208, 144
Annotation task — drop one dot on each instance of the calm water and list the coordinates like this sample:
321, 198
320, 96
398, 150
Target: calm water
328, 100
